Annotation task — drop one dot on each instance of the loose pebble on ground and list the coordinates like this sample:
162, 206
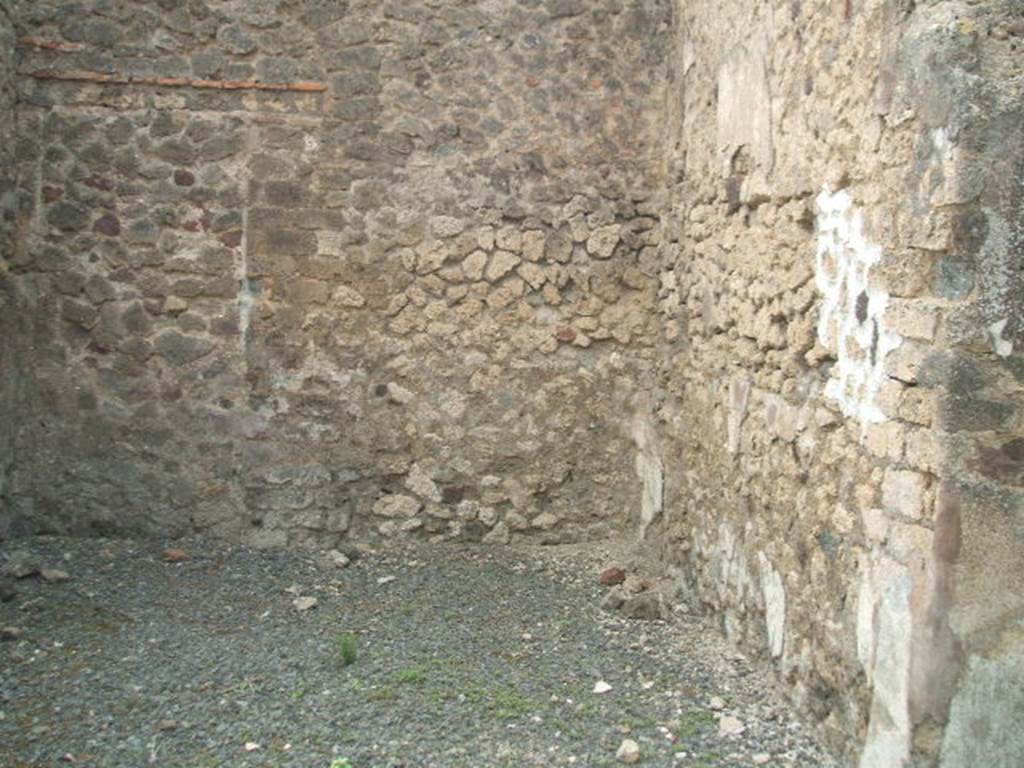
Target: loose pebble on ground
464, 656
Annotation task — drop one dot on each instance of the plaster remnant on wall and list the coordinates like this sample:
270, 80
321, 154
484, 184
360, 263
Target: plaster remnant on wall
730, 564
318, 366
940, 183
739, 398
985, 718
246, 299
852, 315
649, 470
1002, 347
774, 605
884, 624
744, 114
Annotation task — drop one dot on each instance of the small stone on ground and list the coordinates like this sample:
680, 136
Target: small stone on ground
612, 576
628, 752
305, 603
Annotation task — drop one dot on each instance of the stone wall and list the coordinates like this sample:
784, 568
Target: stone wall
9, 310
320, 265
740, 279
976, 373
840, 423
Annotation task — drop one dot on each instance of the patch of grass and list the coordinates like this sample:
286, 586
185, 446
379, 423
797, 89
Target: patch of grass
439, 697
645, 722
507, 702
568, 728
355, 684
412, 676
691, 723
340, 762
348, 649
347, 736
384, 693
567, 624
503, 701
301, 690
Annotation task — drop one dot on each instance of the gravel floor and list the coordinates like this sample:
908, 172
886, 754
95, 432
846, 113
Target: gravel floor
467, 656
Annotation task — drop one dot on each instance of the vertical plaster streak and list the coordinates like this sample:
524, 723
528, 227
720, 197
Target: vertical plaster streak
245, 298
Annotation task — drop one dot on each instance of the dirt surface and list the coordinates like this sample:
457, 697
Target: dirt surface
465, 656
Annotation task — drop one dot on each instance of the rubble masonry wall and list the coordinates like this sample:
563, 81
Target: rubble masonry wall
403, 291
739, 279
840, 410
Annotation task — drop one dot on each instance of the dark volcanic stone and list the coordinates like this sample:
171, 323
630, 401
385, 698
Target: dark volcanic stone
68, 216
176, 151
108, 224
237, 40
180, 349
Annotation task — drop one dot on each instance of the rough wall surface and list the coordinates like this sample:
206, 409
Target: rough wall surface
747, 285
841, 271
408, 291
9, 376
978, 379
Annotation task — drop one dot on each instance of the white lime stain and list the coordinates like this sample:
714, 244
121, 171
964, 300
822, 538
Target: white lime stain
851, 322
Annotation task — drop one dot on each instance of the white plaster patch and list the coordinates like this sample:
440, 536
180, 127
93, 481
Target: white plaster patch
246, 299
940, 182
650, 471
744, 111
315, 365
883, 648
852, 314
774, 605
1002, 347
733, 580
